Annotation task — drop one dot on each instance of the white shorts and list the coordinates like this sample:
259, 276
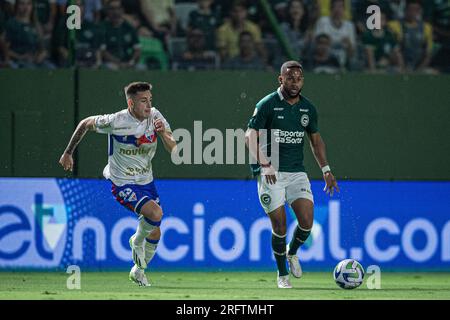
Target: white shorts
289, 187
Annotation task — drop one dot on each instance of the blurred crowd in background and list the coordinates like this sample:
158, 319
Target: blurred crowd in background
327, 36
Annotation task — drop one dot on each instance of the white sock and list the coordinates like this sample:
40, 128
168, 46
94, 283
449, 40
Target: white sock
144, 229
150, 250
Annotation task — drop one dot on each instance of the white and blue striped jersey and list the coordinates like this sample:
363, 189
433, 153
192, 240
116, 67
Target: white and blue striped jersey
131, 144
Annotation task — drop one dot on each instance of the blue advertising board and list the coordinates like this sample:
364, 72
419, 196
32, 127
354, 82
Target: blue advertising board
219, 225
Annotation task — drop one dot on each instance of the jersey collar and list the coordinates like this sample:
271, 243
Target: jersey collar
280, 95
134, 118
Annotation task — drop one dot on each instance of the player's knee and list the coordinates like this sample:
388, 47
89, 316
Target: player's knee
157, 214
306, 221
279, 229
152, 211
307, 224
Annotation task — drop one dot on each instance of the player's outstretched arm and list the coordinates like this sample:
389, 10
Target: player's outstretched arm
66, 159
318, 150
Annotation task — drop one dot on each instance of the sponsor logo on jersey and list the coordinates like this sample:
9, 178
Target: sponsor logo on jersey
280, 117
136, 171
304, 120
278, 109
303, 110
133, 152
282, 136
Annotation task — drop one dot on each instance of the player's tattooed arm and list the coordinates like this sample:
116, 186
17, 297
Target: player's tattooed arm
318, 150
80, 131
85, 125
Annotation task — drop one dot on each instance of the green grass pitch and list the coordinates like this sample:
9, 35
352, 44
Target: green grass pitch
217, 286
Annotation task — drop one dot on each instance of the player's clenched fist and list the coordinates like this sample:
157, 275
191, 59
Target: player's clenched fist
159, 125
66, 161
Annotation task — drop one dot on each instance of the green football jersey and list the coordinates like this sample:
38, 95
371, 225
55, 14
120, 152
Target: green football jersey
120, 41
288, 125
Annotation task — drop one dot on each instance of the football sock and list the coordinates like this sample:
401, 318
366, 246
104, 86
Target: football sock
150, 249
145, 227
279, 251
298, 239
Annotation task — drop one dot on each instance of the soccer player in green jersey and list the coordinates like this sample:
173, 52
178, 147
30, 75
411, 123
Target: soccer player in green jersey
287, 115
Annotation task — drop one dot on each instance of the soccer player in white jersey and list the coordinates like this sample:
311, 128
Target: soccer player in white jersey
132, 136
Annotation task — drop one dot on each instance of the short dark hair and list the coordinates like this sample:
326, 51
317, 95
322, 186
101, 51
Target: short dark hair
409, 2
135, 87
239, 3
323, 36
245, 33
290, 64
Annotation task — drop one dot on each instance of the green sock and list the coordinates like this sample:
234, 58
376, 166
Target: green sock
279, 251
299, 238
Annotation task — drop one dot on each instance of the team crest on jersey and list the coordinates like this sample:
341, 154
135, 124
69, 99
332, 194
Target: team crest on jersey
304, 120
148, 137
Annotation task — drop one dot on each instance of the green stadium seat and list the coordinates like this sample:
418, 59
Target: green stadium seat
153, 48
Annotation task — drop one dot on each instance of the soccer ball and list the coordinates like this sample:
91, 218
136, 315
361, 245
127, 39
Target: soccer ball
348, 274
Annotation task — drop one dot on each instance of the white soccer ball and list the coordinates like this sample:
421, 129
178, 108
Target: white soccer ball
348, 274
